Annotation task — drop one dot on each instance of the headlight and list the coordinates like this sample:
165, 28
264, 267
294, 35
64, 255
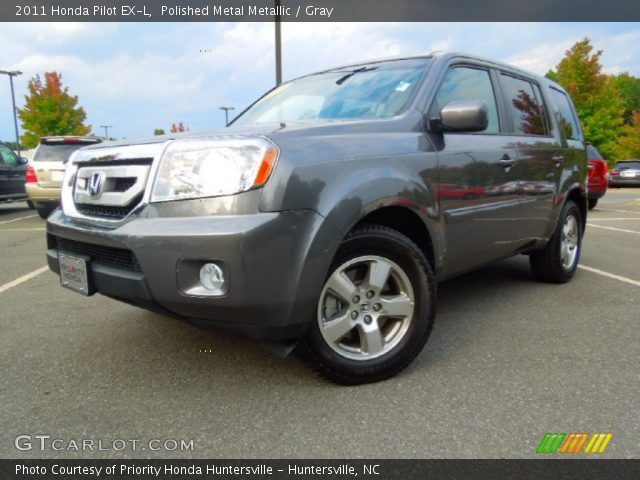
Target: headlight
209, 167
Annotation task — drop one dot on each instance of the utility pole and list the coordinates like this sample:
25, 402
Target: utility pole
106, 130
226, 114
12, 74
278, 45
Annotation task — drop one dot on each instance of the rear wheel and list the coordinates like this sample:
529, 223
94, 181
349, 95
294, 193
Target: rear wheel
30, 205
558, 261
375, 311
592, 202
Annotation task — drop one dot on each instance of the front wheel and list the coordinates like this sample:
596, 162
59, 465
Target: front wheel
558, 260
45, 210
376, 309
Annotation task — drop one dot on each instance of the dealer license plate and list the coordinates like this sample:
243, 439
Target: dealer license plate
57, 175
73, 273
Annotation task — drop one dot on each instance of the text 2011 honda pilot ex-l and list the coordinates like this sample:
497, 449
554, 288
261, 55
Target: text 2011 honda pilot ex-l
321, 217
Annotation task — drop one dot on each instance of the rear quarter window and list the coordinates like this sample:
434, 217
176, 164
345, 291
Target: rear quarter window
566, 118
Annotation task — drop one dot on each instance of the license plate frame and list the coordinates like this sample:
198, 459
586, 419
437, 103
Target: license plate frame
74, 273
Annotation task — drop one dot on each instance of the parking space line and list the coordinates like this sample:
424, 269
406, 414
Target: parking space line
615, 219
615, 210
613, 228
17, 219
610, 275
22, 279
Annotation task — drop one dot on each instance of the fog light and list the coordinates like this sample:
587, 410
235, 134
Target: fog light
212, 278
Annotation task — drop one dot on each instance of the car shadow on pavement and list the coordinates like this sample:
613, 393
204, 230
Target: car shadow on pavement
202, 358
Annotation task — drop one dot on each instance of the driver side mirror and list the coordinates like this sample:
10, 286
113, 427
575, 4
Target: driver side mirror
24, 160
461, 116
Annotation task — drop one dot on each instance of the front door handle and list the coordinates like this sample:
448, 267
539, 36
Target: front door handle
506, 161
558, 159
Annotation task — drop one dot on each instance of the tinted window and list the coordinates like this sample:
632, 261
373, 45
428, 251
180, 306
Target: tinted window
56, 153
378, 90
465, 83
567, 119
593, 154
525, 106
7, 156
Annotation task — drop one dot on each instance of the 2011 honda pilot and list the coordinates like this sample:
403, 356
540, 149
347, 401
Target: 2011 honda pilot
322, 217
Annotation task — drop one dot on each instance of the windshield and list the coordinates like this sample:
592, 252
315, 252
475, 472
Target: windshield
378, 90
56, 153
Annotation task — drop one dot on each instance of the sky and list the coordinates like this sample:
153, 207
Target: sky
137, 77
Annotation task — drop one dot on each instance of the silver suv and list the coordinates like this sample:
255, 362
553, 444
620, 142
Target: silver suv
328, 212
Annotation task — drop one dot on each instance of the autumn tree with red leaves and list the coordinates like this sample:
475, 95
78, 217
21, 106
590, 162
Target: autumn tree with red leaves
50, 110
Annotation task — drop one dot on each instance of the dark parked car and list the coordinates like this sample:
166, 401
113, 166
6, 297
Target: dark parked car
317, 219
12, 174
625, 173
597, 176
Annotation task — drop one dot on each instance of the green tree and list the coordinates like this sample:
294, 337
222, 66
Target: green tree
629, 143
595, 95
629, 89
159, 131
50, 110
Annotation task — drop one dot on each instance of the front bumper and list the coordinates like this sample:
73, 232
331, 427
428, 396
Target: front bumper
276, 263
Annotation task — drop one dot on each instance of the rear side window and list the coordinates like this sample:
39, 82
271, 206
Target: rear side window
56, 153
466, 83
525, 106
568, 121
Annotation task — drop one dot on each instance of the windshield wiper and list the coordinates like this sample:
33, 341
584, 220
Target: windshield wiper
341, 80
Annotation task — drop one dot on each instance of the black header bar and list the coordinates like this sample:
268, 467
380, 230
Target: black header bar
319, 10
320, 469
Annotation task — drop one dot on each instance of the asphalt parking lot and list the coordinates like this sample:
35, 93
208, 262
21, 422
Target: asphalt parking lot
509, 360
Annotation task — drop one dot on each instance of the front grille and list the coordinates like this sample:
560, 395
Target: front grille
110, 256
110, 190
107, 211
124, 184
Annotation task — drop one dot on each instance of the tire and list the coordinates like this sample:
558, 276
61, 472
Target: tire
592, 202
558, 261
45, 210
369, 344
30, 205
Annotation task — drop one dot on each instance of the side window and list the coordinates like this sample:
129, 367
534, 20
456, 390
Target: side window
466, 83
568, 122
525, 106
7, 156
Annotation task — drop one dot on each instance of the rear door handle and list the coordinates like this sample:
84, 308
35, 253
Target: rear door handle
558, 159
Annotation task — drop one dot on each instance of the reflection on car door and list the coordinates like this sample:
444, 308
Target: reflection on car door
540, 154
477, 187
12, 173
